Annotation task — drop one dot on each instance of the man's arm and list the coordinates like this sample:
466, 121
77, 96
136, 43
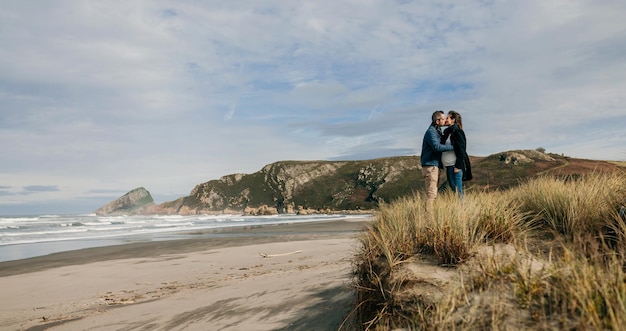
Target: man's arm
433, 139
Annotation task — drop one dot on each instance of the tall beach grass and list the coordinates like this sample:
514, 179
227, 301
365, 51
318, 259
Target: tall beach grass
564, 267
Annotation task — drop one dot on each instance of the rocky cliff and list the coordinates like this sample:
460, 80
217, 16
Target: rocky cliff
302, 187
133, 202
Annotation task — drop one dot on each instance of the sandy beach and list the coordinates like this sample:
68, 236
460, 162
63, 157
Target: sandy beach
281, 277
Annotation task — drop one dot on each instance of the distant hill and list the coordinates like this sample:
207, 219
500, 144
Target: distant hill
357, 186
134, 202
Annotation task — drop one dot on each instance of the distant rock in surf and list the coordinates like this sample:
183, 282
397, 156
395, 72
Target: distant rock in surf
132, 203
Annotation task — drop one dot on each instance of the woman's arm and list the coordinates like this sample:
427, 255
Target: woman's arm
459, 143
446, 134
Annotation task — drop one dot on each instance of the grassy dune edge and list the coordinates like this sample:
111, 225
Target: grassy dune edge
547, 254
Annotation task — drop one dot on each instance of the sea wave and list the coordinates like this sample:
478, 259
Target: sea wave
46, 228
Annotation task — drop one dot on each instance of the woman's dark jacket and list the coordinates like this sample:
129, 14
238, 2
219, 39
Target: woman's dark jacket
457, 138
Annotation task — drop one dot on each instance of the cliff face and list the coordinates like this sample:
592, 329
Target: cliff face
302, 186
131, 203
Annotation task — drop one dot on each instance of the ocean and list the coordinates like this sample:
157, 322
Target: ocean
30, 236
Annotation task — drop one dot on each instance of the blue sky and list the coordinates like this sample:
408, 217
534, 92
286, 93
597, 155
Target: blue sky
100, 97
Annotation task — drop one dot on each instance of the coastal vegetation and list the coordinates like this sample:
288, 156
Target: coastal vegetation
548, 253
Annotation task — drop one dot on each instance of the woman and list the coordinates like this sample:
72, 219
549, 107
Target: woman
456, 162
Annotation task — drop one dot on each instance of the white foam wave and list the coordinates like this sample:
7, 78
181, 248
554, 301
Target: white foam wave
17, 230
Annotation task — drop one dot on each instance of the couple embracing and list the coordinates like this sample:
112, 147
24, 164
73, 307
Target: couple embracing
445, 150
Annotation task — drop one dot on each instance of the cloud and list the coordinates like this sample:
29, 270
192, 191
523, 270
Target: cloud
97, 98
5, 190
40, 188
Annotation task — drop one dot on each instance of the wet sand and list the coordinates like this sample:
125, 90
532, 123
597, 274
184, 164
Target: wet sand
279, 277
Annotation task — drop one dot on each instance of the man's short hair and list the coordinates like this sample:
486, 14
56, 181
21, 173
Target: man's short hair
437, 114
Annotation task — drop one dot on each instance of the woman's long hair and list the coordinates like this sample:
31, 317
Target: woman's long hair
457, 118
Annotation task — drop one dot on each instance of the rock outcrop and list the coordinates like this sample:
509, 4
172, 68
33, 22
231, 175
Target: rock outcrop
134, 202
302, 187
524, 156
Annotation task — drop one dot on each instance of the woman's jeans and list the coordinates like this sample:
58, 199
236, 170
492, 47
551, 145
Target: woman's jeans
455, 180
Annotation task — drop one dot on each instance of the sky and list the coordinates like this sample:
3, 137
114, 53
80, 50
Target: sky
100, 97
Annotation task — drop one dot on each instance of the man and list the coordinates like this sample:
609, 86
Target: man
431, 156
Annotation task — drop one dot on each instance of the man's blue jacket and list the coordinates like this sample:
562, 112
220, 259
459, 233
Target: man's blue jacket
432, 148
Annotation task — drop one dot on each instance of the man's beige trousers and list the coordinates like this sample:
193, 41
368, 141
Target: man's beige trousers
431, 178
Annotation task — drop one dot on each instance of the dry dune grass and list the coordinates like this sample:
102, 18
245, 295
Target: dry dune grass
548, 255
